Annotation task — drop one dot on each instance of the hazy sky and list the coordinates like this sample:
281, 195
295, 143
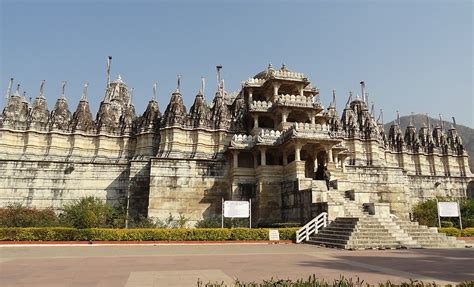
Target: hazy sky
415, 56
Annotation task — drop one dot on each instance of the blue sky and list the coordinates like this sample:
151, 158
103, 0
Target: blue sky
415, 56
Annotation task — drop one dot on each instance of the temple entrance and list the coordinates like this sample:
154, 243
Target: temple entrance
322, 158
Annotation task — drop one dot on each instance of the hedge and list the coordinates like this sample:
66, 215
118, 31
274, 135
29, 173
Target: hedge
106, 234
452, 231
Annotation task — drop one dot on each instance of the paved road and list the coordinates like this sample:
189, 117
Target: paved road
182, 265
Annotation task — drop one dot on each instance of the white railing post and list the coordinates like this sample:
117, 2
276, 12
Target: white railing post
312, 227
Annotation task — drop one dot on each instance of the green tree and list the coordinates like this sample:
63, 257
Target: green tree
90, 212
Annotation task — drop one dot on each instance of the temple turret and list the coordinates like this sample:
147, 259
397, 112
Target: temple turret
39, 116
60, 115
395, 136
334, 122
220, 114
200, 113
175, 113
82, 117
410, 137
151, 117
15, 113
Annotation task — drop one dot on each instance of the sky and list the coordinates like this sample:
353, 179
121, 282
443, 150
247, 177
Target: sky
414, 56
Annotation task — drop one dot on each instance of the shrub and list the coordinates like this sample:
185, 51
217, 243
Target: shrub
468, 232
426, 213
451, 231
282, 225
158, 234
445, 223
89, 212
16, 215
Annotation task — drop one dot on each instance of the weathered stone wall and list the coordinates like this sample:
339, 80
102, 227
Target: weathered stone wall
193, 188
44, 184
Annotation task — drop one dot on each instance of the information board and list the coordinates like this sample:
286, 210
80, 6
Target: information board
273, 235
448, 209
236, 209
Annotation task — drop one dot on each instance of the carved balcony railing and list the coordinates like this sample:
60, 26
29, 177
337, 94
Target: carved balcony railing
297, 101
241, 141
260, 106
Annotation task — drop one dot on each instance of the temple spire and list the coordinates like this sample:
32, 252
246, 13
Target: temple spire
333, 98
154, 91
428, 121
9, 90
218, 67
179, 84
130, 95
42, 89
63, 88
372, 110
109, 63
441, 121
412, 121
203, 85
454, 123
398, 117
380, 118
349, 99
362, 88
84, 93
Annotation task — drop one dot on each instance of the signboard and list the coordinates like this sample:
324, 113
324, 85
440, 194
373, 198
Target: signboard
273, 235
237, 209
448, 209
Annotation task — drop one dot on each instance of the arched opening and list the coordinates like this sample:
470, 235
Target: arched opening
259, 96
266, 122
286, 89
309, 167
298, 117
246, 159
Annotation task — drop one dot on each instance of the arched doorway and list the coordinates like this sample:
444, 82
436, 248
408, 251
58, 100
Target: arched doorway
322, 158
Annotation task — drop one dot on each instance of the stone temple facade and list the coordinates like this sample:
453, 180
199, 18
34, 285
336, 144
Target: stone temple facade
268, 142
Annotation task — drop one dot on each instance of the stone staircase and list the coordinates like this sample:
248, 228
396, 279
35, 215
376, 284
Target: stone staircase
360, 230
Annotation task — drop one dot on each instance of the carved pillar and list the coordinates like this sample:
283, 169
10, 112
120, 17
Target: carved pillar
329, 153
297, 152
235, 156
301, 90
263, 156
250, 95
276, 86
284, 116
343, 164
255, 121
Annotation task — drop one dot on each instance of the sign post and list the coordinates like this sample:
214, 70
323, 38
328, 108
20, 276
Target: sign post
237, 209
449, 209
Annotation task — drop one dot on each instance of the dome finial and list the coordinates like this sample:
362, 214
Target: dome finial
84, 93
179, 84
42, 89
203, 85
109, 63
63, 88
9, 90
154, 91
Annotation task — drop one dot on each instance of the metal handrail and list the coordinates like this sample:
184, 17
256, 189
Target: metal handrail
312, 227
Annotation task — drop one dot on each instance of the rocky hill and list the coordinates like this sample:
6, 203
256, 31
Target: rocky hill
466, 133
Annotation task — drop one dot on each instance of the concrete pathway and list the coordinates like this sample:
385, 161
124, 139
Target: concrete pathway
184, 265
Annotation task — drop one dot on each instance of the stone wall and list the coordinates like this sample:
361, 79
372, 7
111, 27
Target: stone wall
193, 188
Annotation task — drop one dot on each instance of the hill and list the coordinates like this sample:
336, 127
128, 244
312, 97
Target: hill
466, 133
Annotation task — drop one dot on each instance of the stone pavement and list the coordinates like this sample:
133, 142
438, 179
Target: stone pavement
183, 265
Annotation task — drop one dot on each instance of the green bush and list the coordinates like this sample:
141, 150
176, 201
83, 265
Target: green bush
451, 231
16, 215
445, 223
426, 213
91, 212
468, 232
104, 234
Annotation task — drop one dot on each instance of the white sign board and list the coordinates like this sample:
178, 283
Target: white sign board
273, 234
237, 209
448, 209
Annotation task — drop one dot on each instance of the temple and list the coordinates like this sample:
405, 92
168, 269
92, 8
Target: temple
269, 142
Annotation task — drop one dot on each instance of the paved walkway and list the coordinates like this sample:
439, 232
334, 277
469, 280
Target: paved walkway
183, 265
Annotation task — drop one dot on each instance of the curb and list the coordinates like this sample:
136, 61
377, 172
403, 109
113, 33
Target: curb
82, 243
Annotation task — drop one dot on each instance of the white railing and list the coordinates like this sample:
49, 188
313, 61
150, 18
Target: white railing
312, 227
